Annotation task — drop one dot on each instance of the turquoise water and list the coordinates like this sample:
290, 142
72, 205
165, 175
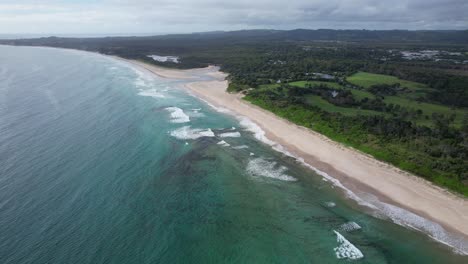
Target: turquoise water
102, 163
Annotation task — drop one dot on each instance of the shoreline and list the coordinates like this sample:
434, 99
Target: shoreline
353, 170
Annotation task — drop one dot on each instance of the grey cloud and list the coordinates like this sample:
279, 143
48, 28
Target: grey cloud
110, 16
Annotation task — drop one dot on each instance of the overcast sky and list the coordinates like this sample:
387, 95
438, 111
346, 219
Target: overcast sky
181, 16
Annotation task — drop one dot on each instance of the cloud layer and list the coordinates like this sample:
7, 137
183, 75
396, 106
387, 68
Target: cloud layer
173, 16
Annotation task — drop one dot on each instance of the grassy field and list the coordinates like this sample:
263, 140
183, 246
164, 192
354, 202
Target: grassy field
402, 154
329, 84
404, 99
304, 83
360, 94
365, 79
315, 100
428, 108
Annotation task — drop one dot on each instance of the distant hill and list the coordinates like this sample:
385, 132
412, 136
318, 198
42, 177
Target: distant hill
421, 36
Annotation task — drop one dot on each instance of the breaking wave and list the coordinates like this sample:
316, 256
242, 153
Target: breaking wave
255, 129
151, 93
349, 226
191, 133
396, 214
241, 147
195, 113
406, 218
230, 134
270, 169
223, 143
346, 249
329, 204
178, 115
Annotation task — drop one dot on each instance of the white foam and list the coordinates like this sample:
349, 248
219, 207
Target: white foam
396, 214
143, 79
349, 226
230, 134
216, 108
330, 204
406, 218
151, 93
459, 244
195, 113
259, 134
178, 115
241, 147
269, 169
346, 249
191, 133
223, 143
255, 129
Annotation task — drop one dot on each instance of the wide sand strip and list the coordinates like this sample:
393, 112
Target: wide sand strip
356, 170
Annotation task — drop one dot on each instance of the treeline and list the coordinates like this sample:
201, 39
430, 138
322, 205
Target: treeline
438, 153
256, 57
448, 89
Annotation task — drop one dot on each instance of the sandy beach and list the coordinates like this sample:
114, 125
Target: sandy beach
355, 170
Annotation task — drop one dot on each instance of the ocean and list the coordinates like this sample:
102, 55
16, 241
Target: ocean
101, 162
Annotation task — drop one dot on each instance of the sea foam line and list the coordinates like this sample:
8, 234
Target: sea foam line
241, 147
178, 115
269, 169
230, 134
394, 213
191, 133
349, 226
458, 243
151, 93
223, 143
346, 249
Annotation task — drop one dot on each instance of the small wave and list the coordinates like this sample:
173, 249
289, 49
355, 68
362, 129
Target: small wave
195, 113
269, 169
406, 218
329, 204
434, 230
255, 129
223, 143
142, 79
216, 108
346, 249
178, 115
349, 226
241, 147
151, 93
191, 133
230, 134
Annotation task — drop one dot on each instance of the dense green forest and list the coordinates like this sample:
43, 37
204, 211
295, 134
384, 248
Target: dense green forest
401, 96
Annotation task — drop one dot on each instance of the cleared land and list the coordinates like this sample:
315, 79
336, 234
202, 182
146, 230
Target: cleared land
403, 99
304, 84
366, 80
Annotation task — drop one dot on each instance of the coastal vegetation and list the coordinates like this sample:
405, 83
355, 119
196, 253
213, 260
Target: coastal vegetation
367, 89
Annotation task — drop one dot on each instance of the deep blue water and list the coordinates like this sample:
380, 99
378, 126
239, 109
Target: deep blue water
103, 163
